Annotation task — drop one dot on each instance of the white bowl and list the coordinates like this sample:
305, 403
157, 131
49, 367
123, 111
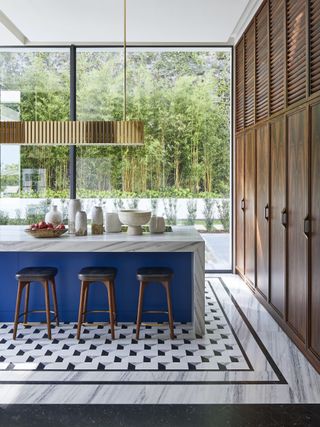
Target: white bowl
134, 218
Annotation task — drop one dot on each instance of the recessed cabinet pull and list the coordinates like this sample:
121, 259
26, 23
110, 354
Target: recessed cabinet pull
266, 212
306, 226
284, 217
242, 204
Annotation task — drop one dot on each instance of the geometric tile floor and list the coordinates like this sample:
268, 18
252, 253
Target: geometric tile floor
218, 350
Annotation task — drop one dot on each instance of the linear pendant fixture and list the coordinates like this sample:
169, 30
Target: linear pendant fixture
121, 132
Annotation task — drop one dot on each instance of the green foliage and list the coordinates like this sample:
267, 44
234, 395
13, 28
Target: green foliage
192, 211
208, 213
183, 97
4, 218
224, 213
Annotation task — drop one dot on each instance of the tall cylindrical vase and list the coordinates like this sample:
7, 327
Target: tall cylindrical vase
97, 220
73, 208
81, 223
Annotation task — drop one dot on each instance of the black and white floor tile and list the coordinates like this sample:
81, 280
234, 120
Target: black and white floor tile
218, 350
244, 357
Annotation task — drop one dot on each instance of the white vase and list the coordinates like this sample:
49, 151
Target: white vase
97, 220
113, 224
73, 207
157, 224
81, 223
53, 216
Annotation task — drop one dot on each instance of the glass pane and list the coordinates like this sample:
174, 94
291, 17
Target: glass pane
183, 170
34, 86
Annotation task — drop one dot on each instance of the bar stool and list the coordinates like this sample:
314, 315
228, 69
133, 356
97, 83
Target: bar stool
105, 275
43, 275
162, 275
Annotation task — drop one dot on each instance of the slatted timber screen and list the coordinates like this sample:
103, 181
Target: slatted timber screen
296, 50
277, 54
240, 86
262, 64
249, 71
314, 22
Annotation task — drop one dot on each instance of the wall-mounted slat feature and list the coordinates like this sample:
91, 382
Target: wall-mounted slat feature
249, 72
314, 22
296, 51
72, 133
262, 72
277, 55
240, 86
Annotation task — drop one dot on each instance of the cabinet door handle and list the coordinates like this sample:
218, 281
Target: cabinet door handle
242, 204
306, 226
284, 217
266, 212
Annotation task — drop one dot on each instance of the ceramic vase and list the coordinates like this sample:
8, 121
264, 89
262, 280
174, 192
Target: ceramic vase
81, 224
53, 216
157, 224
97, 220
113, 224
73, 208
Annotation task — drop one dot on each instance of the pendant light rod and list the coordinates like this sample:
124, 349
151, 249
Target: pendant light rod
124, 59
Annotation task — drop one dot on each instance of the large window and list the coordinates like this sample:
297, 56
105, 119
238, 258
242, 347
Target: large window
183, 169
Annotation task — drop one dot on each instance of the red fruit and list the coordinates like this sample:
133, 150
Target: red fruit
50, 226
42, 224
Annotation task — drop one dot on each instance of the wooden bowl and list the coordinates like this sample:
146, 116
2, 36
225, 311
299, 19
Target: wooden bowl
45, 232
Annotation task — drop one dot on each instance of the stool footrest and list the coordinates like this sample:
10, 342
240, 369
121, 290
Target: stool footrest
155, 312
36, 311
154, 324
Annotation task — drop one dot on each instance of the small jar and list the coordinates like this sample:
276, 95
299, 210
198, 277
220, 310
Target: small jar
81, 223
97, 220
113, 224
54, 216
73, 207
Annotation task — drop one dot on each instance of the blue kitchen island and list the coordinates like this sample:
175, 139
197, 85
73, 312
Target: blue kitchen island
182, 250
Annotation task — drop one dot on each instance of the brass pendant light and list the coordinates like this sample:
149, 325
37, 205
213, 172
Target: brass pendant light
123, 132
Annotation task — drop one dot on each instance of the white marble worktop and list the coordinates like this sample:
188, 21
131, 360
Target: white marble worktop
181, 239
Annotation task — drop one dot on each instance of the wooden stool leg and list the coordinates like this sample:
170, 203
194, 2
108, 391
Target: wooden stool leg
140, 306
109, 286
85, 304
114, 305
55, 303
18, 301
26, 302
81, 304
167, 287
47, 300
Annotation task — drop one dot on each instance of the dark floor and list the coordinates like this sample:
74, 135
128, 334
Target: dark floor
159, 415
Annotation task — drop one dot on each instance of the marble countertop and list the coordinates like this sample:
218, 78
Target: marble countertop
181, 239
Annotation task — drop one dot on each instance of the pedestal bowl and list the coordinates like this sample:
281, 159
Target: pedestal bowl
134, 218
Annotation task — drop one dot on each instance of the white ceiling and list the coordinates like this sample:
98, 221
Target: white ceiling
27, 22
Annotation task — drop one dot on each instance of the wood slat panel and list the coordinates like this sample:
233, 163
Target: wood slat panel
249, 71
262, 64
240, 86
296, 50
72, 132
314, 23
277, 55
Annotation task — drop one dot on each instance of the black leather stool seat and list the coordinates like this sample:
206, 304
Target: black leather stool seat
148, 274
97, 273
30, 274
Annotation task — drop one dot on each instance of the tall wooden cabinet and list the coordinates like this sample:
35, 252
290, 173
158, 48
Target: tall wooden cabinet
278, 214
298, 221
262, 210
277, 158
315, 229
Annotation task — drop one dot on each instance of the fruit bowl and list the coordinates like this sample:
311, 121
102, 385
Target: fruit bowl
45, 232
134, 219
